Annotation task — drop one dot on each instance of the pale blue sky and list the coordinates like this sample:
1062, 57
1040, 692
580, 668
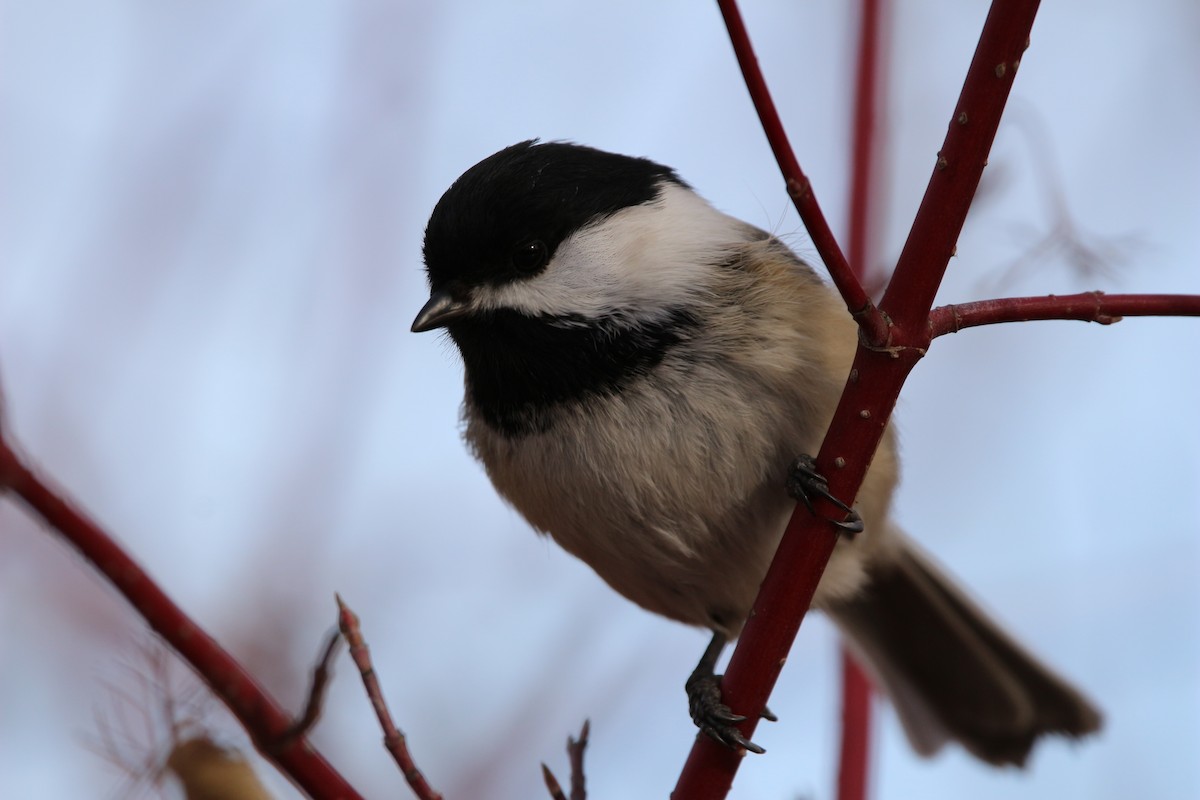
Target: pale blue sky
210, 223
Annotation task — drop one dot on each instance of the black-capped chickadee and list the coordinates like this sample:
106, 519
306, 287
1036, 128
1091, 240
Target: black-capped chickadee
642, 372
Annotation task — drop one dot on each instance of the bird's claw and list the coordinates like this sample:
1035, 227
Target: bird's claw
713, 717
804, 481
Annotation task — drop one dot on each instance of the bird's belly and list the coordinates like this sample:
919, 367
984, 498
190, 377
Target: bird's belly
676, 561
696, 569
677, 509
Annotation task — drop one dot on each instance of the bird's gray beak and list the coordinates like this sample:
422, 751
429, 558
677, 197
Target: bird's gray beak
441, 310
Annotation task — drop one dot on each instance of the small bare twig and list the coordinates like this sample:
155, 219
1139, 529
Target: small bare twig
316, 693
552, 784
575, 748
393, 739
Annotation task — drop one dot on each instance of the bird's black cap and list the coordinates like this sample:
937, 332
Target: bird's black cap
504, 217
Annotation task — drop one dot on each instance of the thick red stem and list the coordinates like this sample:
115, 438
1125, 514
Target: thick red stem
957, 170
262, 717
870, 394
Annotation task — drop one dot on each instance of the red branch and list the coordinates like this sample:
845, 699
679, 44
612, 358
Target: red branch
870, 394
956, 172
854, 759
854, 753
266, 722
862, 161
393, 739
1086, 307
873, 324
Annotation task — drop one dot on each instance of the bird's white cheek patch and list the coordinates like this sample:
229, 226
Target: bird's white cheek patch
641, 260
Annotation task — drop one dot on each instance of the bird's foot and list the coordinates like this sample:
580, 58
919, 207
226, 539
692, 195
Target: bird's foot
804, 483
715, 718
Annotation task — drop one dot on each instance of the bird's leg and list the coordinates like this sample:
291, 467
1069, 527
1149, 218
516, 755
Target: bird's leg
804, 482
704, 701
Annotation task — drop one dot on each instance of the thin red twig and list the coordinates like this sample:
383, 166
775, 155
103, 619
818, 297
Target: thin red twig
799, 188
322, 672
393, 739
858, 425
1086, 307
854, 752
263, 718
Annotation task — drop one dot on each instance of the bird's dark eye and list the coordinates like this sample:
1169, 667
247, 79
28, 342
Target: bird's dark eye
530, 256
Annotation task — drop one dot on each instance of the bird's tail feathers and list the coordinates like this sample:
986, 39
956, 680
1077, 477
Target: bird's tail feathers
950, 671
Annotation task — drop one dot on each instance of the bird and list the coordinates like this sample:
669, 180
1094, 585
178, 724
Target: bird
645, 378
